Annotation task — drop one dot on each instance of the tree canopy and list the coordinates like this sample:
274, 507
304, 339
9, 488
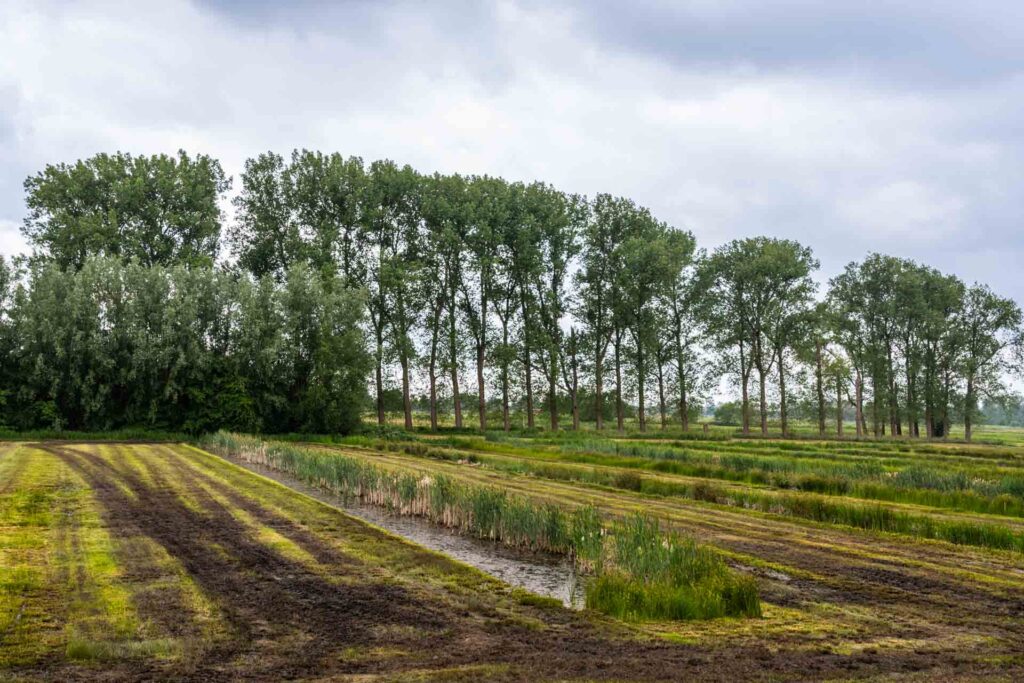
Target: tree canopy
439, 292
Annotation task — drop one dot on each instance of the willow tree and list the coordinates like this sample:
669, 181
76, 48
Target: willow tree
157, 210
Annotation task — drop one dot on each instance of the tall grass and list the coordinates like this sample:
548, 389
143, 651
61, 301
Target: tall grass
661, 575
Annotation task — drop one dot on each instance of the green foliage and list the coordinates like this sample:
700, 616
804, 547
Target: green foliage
156, 210
729, 413
115, 345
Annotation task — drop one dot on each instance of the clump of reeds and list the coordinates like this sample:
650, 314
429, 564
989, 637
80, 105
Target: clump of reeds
656, 574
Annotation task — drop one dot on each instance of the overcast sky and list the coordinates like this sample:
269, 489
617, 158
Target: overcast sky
850, 126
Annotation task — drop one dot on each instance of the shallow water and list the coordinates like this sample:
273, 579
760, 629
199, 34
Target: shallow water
541, 573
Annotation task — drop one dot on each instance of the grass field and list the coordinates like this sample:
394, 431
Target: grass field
128, 560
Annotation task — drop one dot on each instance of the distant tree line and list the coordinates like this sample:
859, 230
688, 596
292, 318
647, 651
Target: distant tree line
435, 292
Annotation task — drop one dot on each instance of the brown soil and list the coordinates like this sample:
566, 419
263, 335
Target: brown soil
287, 620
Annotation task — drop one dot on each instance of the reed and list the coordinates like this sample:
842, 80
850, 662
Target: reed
686, 580
808, 503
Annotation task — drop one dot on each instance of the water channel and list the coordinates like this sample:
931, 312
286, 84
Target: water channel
541, 573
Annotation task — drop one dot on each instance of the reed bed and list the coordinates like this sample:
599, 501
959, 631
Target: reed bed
804, 505
636, 570
980, 489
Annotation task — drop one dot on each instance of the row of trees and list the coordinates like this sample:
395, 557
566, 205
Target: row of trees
551, 302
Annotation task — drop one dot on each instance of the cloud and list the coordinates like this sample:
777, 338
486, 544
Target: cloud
892, 128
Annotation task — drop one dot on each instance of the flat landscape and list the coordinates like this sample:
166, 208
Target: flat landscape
166, 560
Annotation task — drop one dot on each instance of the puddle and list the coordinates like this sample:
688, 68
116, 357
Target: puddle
541, 573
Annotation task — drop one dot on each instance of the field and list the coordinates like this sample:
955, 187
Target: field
879, 560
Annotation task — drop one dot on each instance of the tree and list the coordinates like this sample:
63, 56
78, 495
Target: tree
652, 258
446, 213
683, 303
989, 326
491, 213
556, 219
327, 361
596, 284
390, 236
158, 210
757, 287
506, 296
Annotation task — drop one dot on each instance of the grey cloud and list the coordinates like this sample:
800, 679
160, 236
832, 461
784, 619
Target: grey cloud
853, 127
938, 43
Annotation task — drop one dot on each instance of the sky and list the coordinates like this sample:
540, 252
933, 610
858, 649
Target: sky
853, 127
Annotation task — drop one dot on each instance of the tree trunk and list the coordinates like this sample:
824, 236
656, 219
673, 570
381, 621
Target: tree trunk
782, 395
890, 386
684, 418
911, 400
684, 405
529, 368
598, 390
859, 410
379, 378
968, 408
641, 414
575, 388
406, 398
455, 395
481, 350
453, 352
433, 380
820, 388
661, 396
744, 380
929, 419
763, 396
481, 392
839, 407
620, 417
945, 407
553, 389
505, 417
